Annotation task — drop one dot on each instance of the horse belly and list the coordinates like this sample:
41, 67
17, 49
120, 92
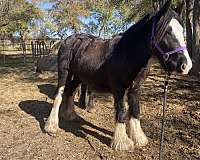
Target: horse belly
94, 79
90, 65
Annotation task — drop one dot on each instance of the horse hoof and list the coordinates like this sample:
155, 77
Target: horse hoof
136, 133
50, 128
90, 109
122, 144
140, 140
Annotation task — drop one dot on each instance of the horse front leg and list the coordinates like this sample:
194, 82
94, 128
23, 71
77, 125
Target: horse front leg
121, 141
135, 131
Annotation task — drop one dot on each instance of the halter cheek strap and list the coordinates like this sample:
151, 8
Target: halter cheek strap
156, 45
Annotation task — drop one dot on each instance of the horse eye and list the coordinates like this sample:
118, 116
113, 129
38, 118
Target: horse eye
169, 29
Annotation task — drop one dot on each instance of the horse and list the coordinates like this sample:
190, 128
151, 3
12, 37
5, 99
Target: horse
119, 66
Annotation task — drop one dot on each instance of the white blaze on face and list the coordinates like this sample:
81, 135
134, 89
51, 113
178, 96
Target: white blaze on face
177, 30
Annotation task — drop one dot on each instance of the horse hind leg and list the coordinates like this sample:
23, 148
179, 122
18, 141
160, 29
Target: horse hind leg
67, 110
83, 96
86, 99
90, 107
51, 125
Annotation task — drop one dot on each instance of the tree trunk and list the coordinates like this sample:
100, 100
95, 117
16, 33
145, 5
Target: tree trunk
102, 27
23, 45
196, 38
188, 17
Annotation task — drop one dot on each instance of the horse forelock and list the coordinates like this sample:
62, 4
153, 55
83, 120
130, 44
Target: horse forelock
162, 24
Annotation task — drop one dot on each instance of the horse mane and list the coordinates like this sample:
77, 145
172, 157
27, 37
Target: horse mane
135, 28
131, 35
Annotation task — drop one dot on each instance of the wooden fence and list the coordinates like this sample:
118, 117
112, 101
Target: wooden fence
30, 48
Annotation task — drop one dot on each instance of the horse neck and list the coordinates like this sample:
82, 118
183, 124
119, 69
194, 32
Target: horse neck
137, 45
137, 52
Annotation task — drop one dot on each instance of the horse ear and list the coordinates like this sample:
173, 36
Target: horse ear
163, 10
179, 8
166, 6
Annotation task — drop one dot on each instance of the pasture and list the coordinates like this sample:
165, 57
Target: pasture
26, 100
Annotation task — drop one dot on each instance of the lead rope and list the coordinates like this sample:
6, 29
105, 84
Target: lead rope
163, 119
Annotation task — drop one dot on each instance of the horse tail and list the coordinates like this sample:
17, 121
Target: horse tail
55, 47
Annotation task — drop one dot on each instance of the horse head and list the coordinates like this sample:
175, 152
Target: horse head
167, 40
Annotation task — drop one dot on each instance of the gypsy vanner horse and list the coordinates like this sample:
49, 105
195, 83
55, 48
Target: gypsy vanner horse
119, 66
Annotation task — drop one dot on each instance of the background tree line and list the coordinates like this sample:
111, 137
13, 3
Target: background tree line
102, 18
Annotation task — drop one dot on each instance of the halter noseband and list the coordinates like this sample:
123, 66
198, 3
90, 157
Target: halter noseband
155, 44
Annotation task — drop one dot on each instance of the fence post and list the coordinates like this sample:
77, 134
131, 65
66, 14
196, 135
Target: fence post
24, 51
4, 56
4, 59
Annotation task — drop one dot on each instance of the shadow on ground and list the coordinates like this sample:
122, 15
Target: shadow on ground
41, 110
38, 109
48, 89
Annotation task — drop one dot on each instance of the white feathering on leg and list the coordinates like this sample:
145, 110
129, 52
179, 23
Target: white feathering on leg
136, 133
51, 125
121, 141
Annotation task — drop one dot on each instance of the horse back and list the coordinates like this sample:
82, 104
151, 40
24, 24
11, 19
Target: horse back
92, 52
86, 56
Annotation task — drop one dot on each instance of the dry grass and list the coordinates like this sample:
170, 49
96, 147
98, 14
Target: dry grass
26, 103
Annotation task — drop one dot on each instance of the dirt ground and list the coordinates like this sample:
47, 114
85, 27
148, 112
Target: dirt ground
26, 101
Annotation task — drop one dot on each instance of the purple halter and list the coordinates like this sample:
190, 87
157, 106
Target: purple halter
156, 45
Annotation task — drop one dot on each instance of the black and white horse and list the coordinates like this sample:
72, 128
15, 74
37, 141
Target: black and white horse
119, 66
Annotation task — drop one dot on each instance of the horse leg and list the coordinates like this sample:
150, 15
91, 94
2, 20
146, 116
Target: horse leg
83, 96
64, 75
51, 125
135, 131
121, 141
67, 109
90, 107
86, 94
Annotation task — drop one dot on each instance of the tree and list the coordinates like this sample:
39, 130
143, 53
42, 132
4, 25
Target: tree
67, 15
157, 4
103, 11
188, 17
100, 17
196, 38
20, 15
4, 12
115, 16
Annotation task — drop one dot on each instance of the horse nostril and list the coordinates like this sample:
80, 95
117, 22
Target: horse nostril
183, 66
